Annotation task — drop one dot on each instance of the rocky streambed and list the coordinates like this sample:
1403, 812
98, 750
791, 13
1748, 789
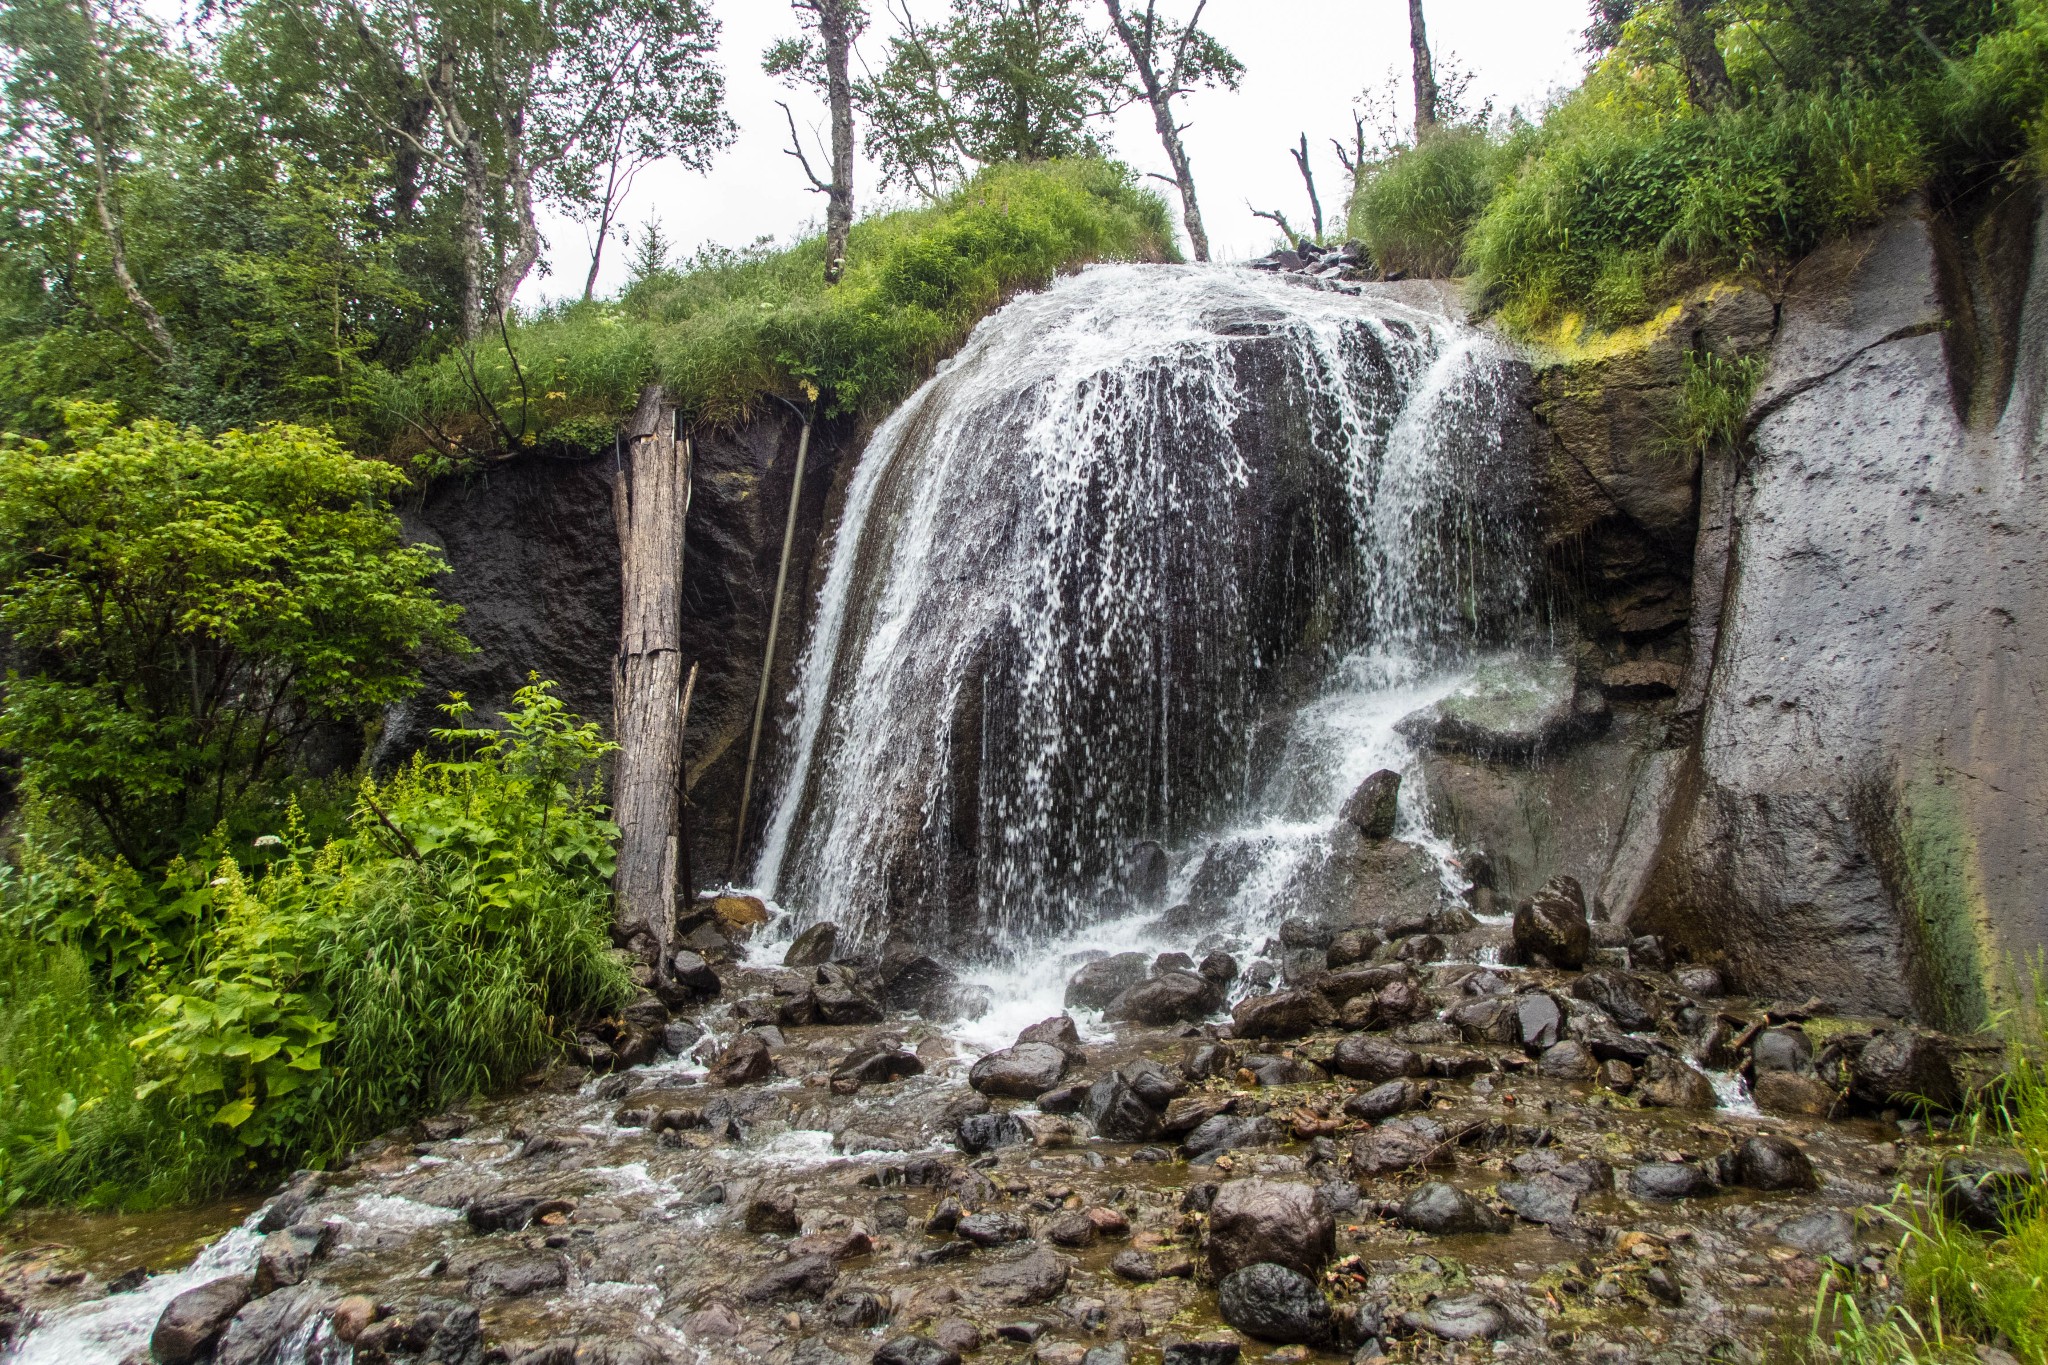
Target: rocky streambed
1375, 1153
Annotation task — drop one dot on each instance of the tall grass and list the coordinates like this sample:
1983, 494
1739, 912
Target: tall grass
1413, 209
733, 327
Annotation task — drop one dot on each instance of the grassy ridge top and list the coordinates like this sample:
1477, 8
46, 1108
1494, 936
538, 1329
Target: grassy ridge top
734, 327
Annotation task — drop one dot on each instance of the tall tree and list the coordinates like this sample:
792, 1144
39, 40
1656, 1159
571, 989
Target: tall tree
1308, 178
999, 80
824, 64
1169, 60
1706, 74
77, 76
1424, 72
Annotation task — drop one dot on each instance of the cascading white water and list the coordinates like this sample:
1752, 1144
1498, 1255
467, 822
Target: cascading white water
1138, 512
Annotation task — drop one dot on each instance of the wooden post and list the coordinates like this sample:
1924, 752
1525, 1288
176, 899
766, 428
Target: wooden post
651, 501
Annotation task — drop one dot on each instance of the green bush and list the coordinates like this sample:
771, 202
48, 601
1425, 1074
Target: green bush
737, 326
1413, 209
435, 950
186, 612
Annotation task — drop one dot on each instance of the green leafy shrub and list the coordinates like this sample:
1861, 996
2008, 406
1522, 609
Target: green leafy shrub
434, 950
1413, 209
188, 611
1714, 400
736, 326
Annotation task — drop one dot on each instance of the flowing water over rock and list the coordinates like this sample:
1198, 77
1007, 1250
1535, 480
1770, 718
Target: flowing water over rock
1138, 514
1127, 607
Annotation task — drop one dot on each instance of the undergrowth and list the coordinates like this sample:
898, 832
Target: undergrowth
317, 993
734, 327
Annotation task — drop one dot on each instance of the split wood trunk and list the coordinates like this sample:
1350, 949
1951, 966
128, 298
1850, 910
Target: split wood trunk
651, 499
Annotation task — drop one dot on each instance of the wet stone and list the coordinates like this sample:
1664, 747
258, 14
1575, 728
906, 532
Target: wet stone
1117, 1112
1669, 1083
1905, 1067
1385, 1101
1786, 1092
1228, 1132
1767, 1162
1059, 1031
993, 1229
190, 1322
1267, 1220
1031, 1279
813, 947
1544, 1199
515, 1277
1274, 1303
805, 1277
744, 1061
1626, 1001
979, 1133
1282, 1014
1669, 1180
1570, 1061
1444, 1210
1539, 1022
1025, 1071
1103, 980
1467, 1318
1981, 1189
1184, 1352
1827, 1232
1784, 1047
1365, 1057
1551, 926
914, 1351
1700, 982
1372, 808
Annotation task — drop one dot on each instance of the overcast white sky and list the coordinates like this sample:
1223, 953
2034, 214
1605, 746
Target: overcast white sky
1306, 61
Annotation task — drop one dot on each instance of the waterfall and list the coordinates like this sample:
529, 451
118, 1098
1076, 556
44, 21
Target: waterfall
1082, 571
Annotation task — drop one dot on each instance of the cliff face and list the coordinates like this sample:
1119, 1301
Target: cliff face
534, 555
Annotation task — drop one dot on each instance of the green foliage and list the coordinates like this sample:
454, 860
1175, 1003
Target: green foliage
188, 611
1713, 401
999, 80
1413, 208
736, 326
432, 951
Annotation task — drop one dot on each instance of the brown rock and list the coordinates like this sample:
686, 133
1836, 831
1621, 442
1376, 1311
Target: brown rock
192, 1321
1668, 1083
744, 1061
1283, 1014
1286, 1223
1789, 1093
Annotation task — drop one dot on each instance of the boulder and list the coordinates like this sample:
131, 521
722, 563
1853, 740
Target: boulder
1489, 1019
1274, 1303
1350, 947
1626, 1001
1058, 1031
1825, 1232
1404, 1144
1511, 708
1445, 1210
914, 1351
1470, 1317
1539, 1021
1668, 1180
1284, 1222
744, 1061
1551, 926
803, 1277
1371, 809
1768, 1162
1228, 1132
1179, 1351
1103, 980
1190, 1112
1219, 969
1154, 1084
877, 1066
1670, 1083
1702, 983
1790, 1094
1783, 1047
980, 1133
1147, 871
1117, 1112
1905, 1067
1543, 1198
813, 947
1037, 1277
1568, 1060
286, 1256
1023, 1072
1173, 997
1385, 1101
992, 1229
518, 1275
191, 1322
1283, 1014
771, 1210
693, 977
1982, 1188
1365, 1057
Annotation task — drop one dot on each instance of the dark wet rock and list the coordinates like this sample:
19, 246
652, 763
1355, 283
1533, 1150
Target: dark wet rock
1568, 1060
1400, 1001
1103, 980
1172, 962
1190, 1112
1616, 1075
745, 1061
501, 1212
1981, 1189
1202, 1059
1117, 1112
1228, 1132
813, 947
1489, 1019
1445, 1210
1365, 1057
878, 1066
1275, 1303
1218, 968
694, 977
1511, 708
1153, 1083
946, 1216
290, 1202
1788, 1093
1064, 1099
1147, 871
804, 1277
1025, 1071
1179, 1351
1035, 1278
192, 1321
260, 1331
1647, 953
1669, 1180
1784, 1047
993, 1229
1539, 1021
1385, 1101
914, 1351
1269, 1220
1172, 997
1115, 1353
1702, 983
679, 1036
1349, 982
1768, 1162
1610, 1044
1551, 926
1826, 1232
771, 1210
1543, 1198
1059, 1031
958, 1335
1625, 1000
287, 1256
842, 997
1416, 948
1372, 808
1905, 1067
916, 981
1074, 1229
1269, 1069
1669, 1083
1283, 1014
1467, 1318
1350, 947
518, 1275
1400, 1145
980, 1133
